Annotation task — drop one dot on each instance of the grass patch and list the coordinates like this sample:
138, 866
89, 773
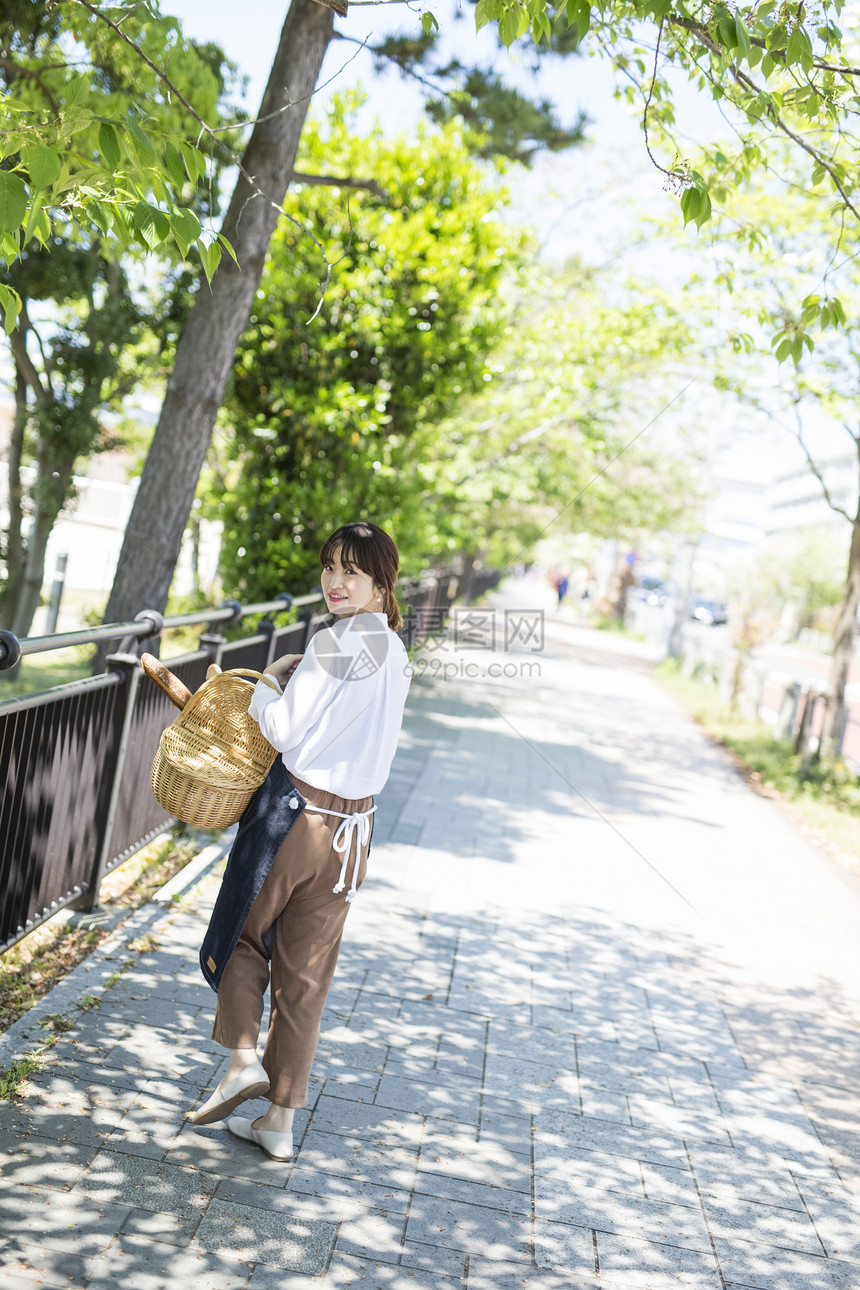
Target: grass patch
828, 799
609, 623
14, 1079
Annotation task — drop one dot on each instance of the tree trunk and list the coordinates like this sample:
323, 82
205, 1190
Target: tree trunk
14, 544
846, 627
51, 492
153, 536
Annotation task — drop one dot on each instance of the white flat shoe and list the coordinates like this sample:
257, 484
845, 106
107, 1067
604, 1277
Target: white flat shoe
278, 1146
251, 1082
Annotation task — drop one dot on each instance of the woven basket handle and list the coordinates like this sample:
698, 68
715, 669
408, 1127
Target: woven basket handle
249, 672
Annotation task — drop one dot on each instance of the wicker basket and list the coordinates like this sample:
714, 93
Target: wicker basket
213, 758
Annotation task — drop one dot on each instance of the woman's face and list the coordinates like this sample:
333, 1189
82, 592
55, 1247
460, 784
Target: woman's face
347, 590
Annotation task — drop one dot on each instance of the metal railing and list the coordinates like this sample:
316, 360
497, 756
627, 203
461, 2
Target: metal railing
75, 760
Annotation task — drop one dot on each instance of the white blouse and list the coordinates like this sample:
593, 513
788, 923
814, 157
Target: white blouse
337, 720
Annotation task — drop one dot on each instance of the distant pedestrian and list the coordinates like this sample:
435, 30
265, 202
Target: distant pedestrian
561, 587
281, 909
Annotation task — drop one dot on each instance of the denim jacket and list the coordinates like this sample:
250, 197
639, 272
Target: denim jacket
266, 821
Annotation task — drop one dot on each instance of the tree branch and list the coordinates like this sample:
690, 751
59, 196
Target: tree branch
18, 344
742, 79
813, 466
9, 65
778, 55
334, 181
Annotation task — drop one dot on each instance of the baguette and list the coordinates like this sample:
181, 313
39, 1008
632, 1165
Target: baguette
176, 692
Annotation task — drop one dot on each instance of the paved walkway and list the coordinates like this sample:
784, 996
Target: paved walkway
595, 1024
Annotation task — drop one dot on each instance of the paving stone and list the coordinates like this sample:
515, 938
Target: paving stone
43, 1162
484, 1275
380, 1123
433, 1258
139, 1263
169, 1228
763, 1179
488, 1233
312, 1182
685, 1121
677, 1186
297, 1238
836, 1215
644, 1265
448, 1100
789, 1229
556, 1131
59, 1221
353, 1088
511, 1132
564, 1247
604, 1103
22, 1263
620, 1213
146, 1184
486, 1161
349, 1270
357, 1158
760, 1267
496, 1196
374, 1233
561, 1182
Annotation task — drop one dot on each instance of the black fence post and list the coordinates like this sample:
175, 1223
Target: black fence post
212, 641
129, 665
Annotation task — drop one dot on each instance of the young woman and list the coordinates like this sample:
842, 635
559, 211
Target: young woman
282, 905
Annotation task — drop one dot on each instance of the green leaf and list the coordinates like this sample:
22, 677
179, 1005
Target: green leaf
119, 224
794, 48
742, 37
486, 11
99, 216
109, 145
768, 63
429, 22
509, 26
228, 247
10, 307
580, 13
38, 224
151, 223
783, 350
75, 92
195, 162
43, 164
13, 201
690, 202
210, 258
142, 145
727, 32
186, 228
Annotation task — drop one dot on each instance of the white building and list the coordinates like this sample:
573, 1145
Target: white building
90, 532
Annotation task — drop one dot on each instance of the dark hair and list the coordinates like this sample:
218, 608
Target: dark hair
371, 550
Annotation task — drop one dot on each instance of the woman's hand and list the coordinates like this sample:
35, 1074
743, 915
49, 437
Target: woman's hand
282, 668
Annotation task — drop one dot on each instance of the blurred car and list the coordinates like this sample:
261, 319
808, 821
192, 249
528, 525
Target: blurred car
651, 590
710, 612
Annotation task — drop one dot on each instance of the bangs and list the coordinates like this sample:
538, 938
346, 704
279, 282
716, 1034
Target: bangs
353, 550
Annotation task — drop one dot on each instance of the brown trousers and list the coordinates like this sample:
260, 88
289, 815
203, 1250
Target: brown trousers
293, 934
